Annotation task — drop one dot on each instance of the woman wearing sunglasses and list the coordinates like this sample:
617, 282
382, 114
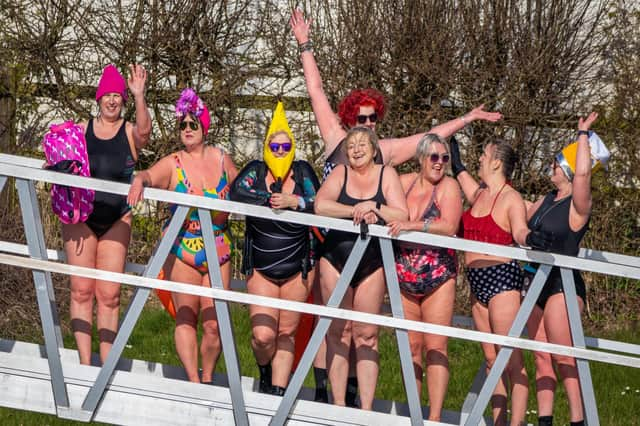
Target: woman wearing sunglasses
363, 192
197, 169
361, 108
565, 212
277, 255
427, 274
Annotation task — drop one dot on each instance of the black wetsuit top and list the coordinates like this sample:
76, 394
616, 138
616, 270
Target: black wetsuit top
553, 216
338, 244
278, 250
109, 159
338, 156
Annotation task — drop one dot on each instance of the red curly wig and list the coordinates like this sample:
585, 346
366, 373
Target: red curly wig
350, 106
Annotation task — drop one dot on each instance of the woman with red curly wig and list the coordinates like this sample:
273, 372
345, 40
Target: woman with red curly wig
361, 107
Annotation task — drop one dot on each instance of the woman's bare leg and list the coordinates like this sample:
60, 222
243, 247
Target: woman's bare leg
111, 256
80, 246
437, 308
187, 309
546, 381
339, 335
480, 315
556, 324
503, 308
210, 347
295, 289
368, 298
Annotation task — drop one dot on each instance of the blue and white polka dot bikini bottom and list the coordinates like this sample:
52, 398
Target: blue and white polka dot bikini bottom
487, 282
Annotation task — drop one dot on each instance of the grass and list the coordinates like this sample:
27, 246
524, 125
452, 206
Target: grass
617, 388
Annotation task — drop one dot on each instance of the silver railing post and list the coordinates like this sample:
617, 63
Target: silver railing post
502, 359
577, 336
295, 384
132, 314
224, 321
44, 290
404, 349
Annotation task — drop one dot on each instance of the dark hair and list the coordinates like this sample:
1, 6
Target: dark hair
507, 155
350, 106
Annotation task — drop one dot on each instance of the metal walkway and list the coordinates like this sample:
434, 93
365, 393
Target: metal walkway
119, 393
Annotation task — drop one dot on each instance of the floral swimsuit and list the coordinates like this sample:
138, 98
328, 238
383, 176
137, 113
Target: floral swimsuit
421, 269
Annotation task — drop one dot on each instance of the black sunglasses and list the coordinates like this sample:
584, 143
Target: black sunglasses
363, 118
192, 124
435, 157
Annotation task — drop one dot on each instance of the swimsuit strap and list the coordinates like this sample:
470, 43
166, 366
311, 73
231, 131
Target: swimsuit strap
431, 200
496, 199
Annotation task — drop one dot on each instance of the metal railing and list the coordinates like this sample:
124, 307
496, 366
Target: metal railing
26, 171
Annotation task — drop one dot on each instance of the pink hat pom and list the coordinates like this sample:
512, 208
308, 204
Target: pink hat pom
111, 82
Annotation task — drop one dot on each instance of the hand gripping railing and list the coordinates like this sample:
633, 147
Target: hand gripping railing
25, 172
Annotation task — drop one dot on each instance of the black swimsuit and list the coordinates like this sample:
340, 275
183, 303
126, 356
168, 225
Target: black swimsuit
109, 159
278, 250
338, 244
553, 216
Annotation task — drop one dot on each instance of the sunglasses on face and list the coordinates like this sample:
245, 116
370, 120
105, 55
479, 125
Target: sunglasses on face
192, 124
275, 146
435, 157
363, 118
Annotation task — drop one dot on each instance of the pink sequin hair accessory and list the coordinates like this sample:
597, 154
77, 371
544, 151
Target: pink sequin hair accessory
111, 81
190, 103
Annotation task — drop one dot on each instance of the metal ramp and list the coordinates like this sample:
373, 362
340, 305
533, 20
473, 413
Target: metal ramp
143, 392
140, 392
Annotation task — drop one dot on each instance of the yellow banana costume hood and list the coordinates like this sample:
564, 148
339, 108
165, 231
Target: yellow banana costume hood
279, 167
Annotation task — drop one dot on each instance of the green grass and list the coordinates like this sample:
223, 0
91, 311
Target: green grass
152, 340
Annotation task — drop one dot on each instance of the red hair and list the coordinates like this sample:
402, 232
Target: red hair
350, 106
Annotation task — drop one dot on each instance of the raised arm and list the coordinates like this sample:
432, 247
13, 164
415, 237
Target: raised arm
331, 130
141, 130
517, 217
582, 178
468, 184
400, 150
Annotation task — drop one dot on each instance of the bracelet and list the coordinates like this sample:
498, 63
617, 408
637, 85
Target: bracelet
583, 132
307, 46
464, 120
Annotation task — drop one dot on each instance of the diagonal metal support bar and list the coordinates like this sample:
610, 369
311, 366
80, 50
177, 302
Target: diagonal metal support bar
133, 312
224, 321
577, 335
472, 396
3, 181
44, 289
297, 380
519, 323
404, 350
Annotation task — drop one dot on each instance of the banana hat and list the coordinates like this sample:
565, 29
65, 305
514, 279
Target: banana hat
279, 166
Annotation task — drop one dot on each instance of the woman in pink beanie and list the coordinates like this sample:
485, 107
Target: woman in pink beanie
102, 241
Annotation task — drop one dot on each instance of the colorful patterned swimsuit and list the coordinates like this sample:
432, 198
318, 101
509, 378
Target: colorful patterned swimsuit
422, 269
189, 244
